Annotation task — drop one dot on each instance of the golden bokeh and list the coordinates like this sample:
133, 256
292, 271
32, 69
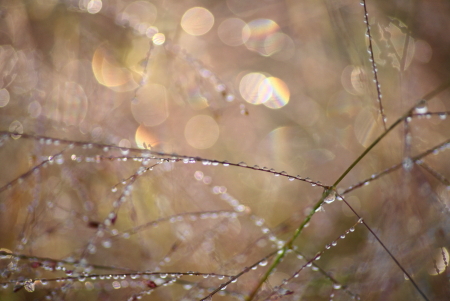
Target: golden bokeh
197, 21
201, 132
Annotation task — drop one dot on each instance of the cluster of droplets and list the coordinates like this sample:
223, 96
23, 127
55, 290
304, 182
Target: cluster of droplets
258, 168
47, 160
238, 207
202, 71
222, 192
146, 158
373, 63
421, 111
58, 157
312, 262
82, 272
233, 279
407, 163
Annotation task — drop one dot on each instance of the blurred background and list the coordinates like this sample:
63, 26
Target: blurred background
280, 84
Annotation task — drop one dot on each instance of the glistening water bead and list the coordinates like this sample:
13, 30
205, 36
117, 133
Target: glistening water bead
330, 198
421, 109
407, 164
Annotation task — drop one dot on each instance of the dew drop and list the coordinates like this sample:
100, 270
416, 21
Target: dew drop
106, 244
352, 229
29, 285
337, 286
330, 198
263, 263
422, 108
187, 287
92, 249
243, 164
407, 164
259, 222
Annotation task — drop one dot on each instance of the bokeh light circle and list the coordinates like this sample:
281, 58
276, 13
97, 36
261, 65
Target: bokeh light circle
16, 127
201, 132
159, 38
94, 6
34, 109
151, 31
230, 32
4, 97
145, 138
280, 93
260, 30
197, 21
139, 14
274, 43
253, 89
109, 72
